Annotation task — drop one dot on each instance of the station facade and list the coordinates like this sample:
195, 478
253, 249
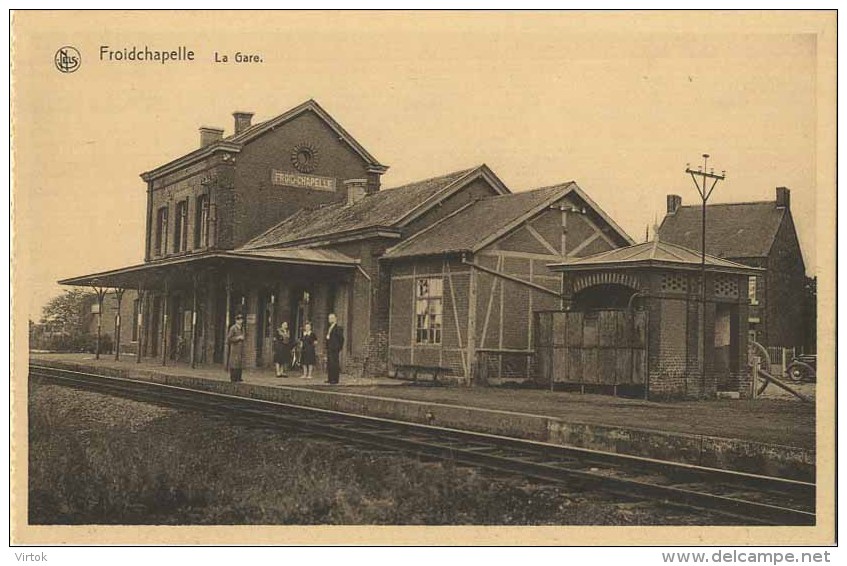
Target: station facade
287, 220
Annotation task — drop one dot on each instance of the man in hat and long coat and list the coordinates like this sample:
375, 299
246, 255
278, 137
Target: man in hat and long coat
334, 344
235, 342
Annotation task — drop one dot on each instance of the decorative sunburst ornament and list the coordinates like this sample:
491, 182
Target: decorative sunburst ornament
304, 157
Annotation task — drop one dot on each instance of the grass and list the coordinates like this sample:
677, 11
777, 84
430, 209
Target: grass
94, 462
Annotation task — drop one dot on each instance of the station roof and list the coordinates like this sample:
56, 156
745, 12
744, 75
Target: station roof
652, 254
153, 274
387, 209
483, 221
234, 142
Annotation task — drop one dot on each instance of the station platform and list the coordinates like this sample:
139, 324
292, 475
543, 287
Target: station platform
771, 436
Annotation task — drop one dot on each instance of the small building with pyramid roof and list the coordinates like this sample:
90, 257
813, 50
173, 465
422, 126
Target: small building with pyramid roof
634, 319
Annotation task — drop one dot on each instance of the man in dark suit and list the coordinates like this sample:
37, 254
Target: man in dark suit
334, 344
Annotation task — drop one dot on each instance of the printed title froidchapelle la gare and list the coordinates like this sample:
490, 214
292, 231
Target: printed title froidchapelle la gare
145, 54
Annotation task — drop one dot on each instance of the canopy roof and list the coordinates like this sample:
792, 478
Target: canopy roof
653, 254
154, 274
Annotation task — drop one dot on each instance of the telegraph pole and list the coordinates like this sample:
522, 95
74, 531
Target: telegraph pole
705, 176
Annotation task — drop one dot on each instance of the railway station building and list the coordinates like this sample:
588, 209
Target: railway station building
287, 220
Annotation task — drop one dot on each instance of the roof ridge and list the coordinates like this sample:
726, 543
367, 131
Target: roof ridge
553, 186
405, 242
433, 178
668, 245
528, 191
557, 192
771, 202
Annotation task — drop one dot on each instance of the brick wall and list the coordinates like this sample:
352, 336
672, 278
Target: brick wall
403, 348
245, 201
110, 309
259, 204
186, 184
784, 292
675, 341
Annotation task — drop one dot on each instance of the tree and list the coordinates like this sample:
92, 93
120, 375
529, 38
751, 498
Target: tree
66, 313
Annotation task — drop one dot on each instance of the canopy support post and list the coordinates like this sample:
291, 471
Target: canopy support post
165, 306
119, 295
194, 321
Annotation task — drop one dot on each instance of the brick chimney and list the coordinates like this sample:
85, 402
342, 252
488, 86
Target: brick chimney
783, 197
357, 189
242, 121
209, 136
674, 202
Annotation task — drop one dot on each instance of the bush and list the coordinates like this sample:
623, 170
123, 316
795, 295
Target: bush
75, 343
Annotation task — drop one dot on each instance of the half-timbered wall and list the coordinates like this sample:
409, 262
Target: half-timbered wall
403, 345
502, 315
505, 339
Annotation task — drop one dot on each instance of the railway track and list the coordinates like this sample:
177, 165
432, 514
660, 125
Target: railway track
753, 499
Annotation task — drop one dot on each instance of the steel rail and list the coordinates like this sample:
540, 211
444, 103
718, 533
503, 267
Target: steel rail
673, 483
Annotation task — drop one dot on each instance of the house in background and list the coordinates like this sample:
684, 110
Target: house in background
758, 234
129, 309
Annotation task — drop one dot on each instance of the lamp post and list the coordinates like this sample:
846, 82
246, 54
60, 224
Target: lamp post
705, 177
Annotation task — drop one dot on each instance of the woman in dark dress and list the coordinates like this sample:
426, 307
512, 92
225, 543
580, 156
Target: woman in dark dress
309, 356
282, 349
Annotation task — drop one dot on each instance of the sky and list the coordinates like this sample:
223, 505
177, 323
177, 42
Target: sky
618, 102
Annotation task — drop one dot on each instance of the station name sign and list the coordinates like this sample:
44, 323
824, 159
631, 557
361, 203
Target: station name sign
303, 181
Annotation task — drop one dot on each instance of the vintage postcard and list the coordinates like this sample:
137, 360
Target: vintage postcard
341, 277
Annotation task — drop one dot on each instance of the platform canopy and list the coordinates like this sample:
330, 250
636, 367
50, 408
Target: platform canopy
653, 254
180, 270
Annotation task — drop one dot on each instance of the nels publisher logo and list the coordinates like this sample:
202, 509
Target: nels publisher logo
67, 59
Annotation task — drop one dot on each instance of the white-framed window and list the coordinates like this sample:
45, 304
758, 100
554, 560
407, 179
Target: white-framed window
428, 310
753, 290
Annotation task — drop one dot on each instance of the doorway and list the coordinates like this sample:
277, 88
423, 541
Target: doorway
726, 345
301, 309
